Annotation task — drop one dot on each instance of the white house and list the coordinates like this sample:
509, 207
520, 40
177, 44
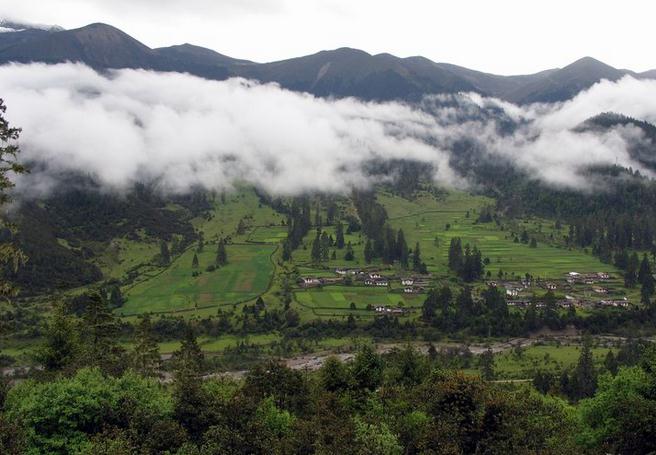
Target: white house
407, 282
512, 292
374, 275
409, 290
382, 283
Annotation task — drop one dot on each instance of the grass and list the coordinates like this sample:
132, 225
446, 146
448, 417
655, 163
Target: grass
551, 357
247, 275
331, 301
425, 220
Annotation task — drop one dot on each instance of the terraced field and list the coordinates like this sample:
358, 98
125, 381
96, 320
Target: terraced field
425, 221
247, 274
336, 300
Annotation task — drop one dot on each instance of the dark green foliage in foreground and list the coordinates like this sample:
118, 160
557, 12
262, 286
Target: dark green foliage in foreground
404, 402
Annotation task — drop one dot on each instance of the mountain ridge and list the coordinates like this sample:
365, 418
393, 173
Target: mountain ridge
341, 72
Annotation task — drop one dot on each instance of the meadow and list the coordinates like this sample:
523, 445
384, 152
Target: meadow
247, 275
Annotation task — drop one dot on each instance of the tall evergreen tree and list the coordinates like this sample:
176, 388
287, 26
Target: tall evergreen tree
194, 261
584, 377
145, 355
349, 255
164, 255
402, 249
417, 265
339, 235
368, 251
221, 254
61, 344
455, 254
99, 337
115, 297
315, 253
286, 250
487, 365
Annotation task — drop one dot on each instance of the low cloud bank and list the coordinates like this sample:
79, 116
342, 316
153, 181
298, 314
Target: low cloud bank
182, 131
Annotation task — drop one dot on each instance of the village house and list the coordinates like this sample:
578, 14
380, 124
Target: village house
407, 281
388, 310
603, 276
382, 282
599, 290
512, 292
552, 286
408, 290
309, 281
374, 275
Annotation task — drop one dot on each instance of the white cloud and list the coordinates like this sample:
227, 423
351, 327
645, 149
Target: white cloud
183, 131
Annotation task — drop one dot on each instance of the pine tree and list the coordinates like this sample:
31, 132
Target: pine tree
349, 255
325, 246
61, 344
631, 273
645, 277
455, 255
145, 356
11, 257
416, 259
315, 254
189, 398
164, 255
116, 297
339, 235
194, 262
584, 377
286, 251
221, 254
487, 365
99, 335
402, 249
368, 251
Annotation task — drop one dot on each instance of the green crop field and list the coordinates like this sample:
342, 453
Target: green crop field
247, 275
425, 220
336, 300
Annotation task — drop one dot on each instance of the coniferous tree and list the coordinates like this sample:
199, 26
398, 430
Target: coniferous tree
349, 255
402, 249
189, 398
194, 261
116, 297
145, 356
584, 377
631, 272
61, 344
286, 251
221, 254
164, 255
101, 328
417, 265
368, 251
11, 257
315, 253
325, 246
455, 255
339, 235
487, 365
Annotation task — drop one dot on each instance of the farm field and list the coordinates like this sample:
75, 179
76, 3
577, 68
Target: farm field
336, 300
247, 275
425, 220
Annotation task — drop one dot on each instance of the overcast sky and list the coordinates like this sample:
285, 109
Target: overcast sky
499, 36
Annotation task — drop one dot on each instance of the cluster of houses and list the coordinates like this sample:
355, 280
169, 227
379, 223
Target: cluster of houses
411, 285
390, 310
587, 278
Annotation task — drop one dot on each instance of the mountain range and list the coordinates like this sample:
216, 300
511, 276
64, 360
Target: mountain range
333, 73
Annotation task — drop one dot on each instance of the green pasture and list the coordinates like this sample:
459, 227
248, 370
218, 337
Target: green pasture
428, 226
551, 357
247, 275
336, 300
